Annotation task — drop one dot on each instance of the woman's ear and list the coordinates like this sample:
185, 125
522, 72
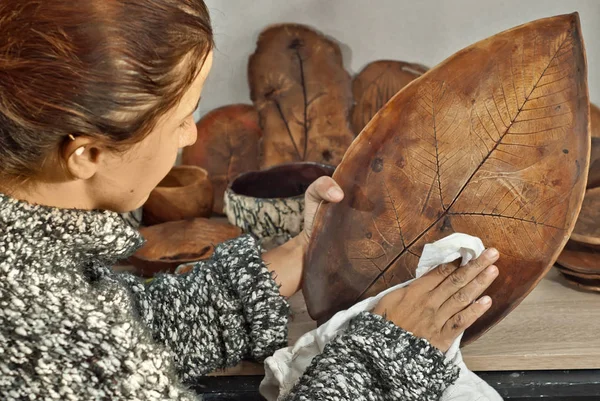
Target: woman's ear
81, 156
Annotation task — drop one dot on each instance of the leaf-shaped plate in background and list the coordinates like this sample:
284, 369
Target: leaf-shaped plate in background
303, 95
587, 228
493, 142
377, 83
227, 146
595, 120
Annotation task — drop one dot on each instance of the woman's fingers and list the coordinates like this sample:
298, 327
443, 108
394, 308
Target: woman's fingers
433, 278
324, 188
468, 294
464, 319
462, 276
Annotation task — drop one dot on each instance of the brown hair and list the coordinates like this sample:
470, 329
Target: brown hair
79, 67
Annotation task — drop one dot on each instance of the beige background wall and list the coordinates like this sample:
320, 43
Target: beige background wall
424, 31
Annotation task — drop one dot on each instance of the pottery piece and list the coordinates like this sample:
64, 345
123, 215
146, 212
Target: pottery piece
377, 83
171, 244
227, 145
580, 258
133, 218
303, 96
594, 170
270, 203
492, 142
595, 120
186, 192
574, 273
587, 229
582, 283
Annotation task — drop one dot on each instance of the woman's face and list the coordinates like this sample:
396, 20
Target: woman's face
124, 181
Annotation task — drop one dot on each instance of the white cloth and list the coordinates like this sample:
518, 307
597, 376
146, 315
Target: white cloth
287, 365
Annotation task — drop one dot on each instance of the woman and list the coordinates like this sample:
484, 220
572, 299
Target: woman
96, 97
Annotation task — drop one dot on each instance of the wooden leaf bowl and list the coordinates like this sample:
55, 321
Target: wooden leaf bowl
492, 142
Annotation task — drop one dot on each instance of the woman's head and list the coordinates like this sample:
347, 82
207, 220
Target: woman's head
97, 96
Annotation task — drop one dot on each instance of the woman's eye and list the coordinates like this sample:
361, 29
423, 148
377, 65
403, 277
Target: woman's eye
184, 124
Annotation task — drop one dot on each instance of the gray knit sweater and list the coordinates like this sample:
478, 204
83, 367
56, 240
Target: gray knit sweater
72, 329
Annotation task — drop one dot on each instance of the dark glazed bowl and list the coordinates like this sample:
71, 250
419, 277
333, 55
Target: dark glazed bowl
270, 203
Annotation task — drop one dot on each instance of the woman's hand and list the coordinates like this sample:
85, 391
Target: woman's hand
323, 189
443, 303
287, 261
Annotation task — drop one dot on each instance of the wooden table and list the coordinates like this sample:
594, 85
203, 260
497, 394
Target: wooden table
547, 347
555, 327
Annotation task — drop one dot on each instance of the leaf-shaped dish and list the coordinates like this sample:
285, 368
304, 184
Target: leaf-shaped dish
303, 95
377, 83
227, 146
492, 142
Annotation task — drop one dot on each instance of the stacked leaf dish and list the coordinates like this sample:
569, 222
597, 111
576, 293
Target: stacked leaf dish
579, 261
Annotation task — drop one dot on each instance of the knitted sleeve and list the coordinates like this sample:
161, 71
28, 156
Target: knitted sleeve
226, 309
375, 360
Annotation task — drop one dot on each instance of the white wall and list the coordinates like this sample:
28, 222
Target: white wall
424, 31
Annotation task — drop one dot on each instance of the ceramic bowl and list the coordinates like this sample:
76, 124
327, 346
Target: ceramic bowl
270, 203
169, 245
185, 193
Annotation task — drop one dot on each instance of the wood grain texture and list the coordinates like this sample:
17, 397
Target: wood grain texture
303, 95
377, 83
471, 146
556, 327
185, 193
227, 146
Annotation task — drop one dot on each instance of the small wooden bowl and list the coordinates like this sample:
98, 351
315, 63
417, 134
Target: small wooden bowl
185, 193
171, 244
270, 203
